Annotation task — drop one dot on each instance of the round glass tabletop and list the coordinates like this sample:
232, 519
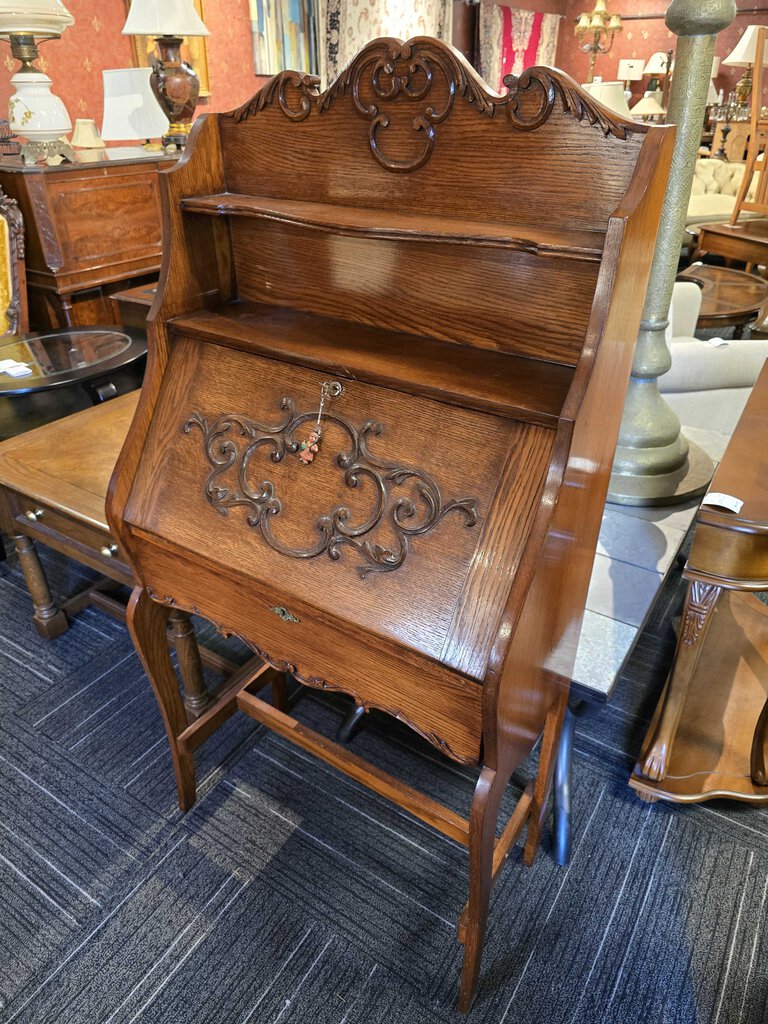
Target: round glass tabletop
31, 362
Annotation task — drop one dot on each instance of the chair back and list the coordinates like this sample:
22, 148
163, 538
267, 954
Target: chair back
14, 315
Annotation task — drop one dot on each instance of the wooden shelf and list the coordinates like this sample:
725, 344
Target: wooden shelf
505, 384
415, 227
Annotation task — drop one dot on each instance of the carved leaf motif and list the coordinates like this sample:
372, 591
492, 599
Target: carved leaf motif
388, 70
702, 598
231, 442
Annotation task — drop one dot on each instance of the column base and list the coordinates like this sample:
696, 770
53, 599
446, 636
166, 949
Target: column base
690, 480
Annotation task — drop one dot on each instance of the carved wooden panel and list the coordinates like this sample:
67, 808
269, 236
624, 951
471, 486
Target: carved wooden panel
232, 487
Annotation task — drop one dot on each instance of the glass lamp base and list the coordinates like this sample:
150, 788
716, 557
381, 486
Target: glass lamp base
36, 152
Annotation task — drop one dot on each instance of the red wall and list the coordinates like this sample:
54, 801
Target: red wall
643, 37
94, 42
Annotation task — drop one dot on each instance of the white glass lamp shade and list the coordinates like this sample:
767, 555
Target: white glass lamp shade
657, 63
631, 70
33, 110
743, 53
647, 106
164, 18
611, 95
44, 19
131, 111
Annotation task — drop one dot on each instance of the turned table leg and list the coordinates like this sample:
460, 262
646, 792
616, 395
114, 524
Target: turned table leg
182, 635
50, 621
700, 602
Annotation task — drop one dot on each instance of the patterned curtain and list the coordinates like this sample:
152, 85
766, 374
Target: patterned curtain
512, 39
345, 26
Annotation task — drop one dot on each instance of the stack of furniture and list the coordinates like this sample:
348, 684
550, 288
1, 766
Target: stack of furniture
390, 346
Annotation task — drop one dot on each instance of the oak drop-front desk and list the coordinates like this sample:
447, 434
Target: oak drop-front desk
388, 357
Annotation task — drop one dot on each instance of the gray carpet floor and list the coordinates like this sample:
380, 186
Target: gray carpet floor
290, 894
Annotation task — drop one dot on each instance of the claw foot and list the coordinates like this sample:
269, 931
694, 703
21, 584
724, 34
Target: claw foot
654, 764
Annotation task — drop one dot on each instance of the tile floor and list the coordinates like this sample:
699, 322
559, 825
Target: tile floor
635, 549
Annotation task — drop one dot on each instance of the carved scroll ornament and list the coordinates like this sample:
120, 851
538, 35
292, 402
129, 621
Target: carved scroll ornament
388, 70
231, 442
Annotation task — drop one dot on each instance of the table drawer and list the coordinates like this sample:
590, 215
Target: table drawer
79, 540
441, 705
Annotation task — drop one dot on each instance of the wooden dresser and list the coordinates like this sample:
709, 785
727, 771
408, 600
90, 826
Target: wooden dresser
92, 227
389, 353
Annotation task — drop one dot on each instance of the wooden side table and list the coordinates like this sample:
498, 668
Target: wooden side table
92, 227
53, 485
730, 298
746, 241
709, 736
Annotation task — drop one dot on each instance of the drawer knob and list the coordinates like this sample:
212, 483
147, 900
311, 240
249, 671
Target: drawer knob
109, 550
283, 613
34, 514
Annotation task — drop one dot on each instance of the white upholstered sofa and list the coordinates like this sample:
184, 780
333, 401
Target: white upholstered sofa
708, 385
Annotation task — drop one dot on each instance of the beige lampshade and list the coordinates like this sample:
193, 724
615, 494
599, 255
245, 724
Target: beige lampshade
743, 53
583, 23
711, 94
86, 134
611, 95
631, 70
657, 63
131, 111
647, 106
44, 19
715, 67
164, 18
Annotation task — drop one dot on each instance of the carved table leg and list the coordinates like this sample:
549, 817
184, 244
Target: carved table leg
147, 622
196, 696
549, 747
50, 621
482, 835
700, 602
758, 764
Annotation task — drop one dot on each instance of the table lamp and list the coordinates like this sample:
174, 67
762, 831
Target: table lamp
173, 81
743, 56
34, 111
610, 94
630, 71
131, 112
648, 107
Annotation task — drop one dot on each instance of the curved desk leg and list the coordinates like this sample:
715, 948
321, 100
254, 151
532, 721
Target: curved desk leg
50, 621
148, 623
561, 813
700, 602
758, 762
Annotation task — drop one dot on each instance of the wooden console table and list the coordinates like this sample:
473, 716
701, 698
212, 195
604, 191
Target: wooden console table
91, 227
709, 736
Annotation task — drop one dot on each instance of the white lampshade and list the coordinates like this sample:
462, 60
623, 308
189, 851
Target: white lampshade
130, 108
743, 53
164, 18
657, 63
611, 95
44, 19
631, 70
715, 67
648, 106
711, 94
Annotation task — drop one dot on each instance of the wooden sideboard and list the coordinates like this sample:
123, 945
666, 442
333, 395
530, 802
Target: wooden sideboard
390, 348
92, 227
709, 735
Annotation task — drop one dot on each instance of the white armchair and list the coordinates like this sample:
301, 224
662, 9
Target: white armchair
708, 385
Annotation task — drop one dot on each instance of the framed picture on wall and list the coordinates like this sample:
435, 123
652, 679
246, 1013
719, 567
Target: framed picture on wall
193, 50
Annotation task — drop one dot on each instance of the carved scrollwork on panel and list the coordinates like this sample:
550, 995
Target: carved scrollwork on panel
420, 81
702, 598
232, 441
316, 682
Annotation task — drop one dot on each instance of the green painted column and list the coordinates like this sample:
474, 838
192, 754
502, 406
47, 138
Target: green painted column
654, 463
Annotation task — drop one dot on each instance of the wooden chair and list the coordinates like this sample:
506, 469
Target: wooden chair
758, 140
389, 353
14, 316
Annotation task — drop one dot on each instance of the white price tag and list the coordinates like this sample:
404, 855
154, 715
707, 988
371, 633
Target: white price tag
726, 501
5, 364
717, 342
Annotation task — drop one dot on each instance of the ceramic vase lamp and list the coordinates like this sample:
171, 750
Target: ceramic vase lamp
743, 56
174, 82
34, 112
